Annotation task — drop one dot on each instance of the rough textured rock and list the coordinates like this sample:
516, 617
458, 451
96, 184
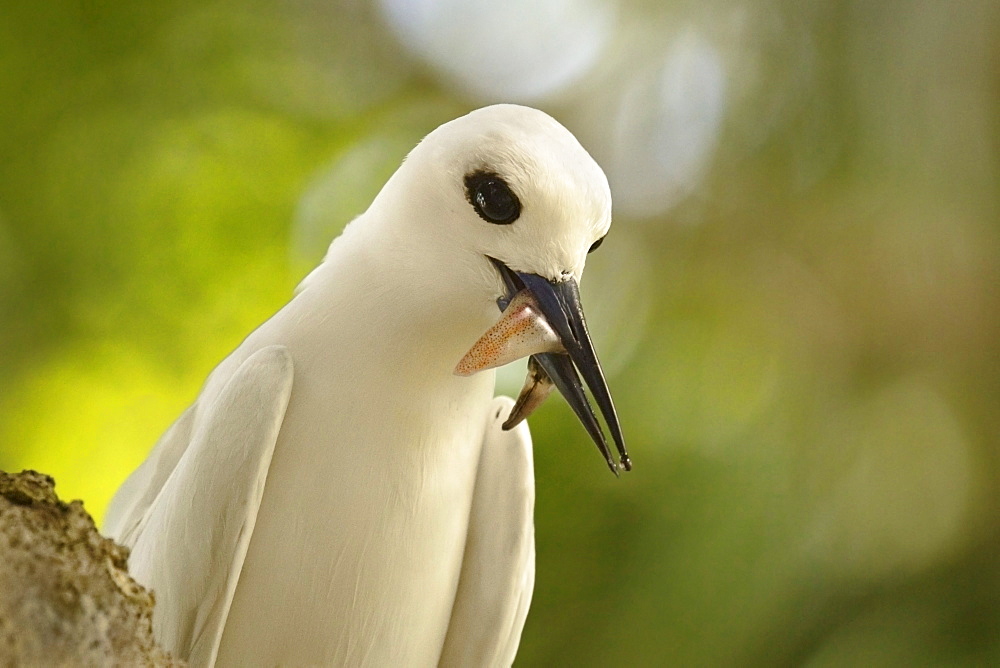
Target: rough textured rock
65, 595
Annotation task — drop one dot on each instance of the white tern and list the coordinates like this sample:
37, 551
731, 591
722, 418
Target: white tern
346, 490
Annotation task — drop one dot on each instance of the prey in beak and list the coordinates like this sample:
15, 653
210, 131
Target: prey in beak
544, 319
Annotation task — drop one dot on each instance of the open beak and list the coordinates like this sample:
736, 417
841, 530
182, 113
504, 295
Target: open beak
545, 320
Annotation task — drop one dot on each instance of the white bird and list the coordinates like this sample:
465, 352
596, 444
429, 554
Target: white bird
345, 490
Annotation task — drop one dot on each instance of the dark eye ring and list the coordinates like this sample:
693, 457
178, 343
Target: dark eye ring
597, 244
492, 198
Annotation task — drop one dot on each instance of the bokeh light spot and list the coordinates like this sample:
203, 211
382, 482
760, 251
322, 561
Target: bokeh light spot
903, 488
517, 51
666, 127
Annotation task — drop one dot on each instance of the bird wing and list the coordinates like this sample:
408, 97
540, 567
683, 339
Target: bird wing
136, 495
498, 567
189, 542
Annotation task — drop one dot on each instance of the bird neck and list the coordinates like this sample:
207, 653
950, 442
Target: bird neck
414, 314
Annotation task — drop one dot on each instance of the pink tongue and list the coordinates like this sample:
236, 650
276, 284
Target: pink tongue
522, 331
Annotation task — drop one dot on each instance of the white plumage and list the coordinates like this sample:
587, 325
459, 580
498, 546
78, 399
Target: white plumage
337, 495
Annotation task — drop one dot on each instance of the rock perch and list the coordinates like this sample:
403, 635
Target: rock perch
65, 595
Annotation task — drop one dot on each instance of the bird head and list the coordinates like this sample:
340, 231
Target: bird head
509, 201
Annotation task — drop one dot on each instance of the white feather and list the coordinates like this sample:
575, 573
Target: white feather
498, 568
395, 526
189, 542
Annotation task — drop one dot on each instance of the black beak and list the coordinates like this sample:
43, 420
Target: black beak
560, 304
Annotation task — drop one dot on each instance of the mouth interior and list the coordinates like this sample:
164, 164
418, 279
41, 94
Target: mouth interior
511, 281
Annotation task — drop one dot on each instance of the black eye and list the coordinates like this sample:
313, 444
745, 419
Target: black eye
492, 198
597, 244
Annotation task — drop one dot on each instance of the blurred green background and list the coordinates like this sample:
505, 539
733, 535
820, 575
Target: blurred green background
798, 303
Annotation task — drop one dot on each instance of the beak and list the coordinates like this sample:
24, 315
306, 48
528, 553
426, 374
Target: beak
545, 320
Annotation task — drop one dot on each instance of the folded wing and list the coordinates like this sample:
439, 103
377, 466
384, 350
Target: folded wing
189, 511
498, 567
